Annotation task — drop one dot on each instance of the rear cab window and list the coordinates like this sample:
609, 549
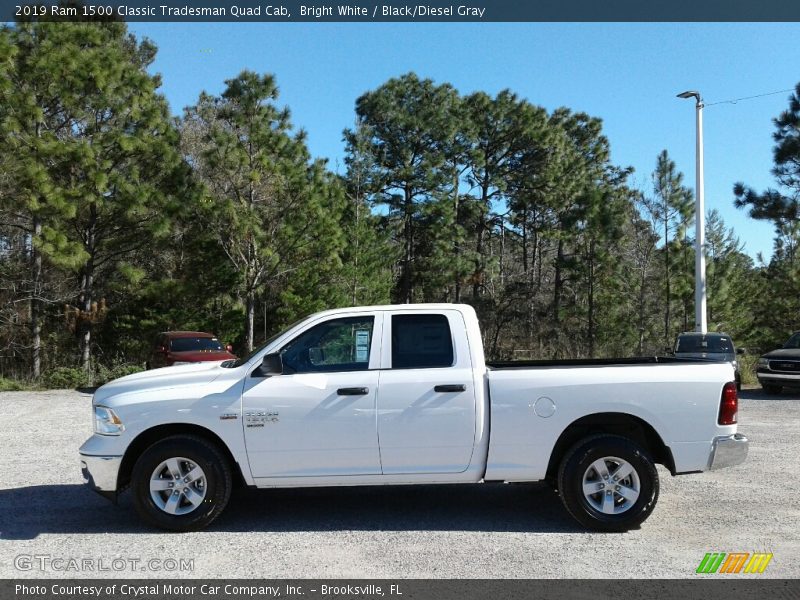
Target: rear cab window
702, 343
195, 344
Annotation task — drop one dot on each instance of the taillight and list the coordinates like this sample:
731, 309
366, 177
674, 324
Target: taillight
728, 404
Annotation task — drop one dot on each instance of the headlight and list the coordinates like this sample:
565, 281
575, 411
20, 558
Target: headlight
106, 422
763, 362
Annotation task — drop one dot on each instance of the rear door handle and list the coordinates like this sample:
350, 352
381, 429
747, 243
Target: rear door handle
459, 387
353, 391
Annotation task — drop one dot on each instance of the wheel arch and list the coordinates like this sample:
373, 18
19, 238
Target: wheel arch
614, 423
150, 436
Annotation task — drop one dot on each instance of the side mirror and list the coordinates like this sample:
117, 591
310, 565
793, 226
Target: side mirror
271, 364
741, 351
229, 348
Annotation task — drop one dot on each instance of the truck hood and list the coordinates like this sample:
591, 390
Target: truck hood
167, 377
788, 353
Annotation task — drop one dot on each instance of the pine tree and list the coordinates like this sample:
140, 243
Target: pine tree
407, 127
781, 207
269, 206
99, 152
671, 207
505, 135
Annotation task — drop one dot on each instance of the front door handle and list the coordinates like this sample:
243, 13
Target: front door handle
353, 391
459, 387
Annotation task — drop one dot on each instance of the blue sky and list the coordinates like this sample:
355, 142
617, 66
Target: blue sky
626, 74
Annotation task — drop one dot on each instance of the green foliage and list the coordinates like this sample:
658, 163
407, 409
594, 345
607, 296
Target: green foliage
97, 168
105, 374
74, 377
272, 210
13, 385
62, 378
118, 222
776, 305
747, 367
405, 140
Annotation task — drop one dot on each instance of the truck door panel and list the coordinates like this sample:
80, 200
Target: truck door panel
426, 397
318, 418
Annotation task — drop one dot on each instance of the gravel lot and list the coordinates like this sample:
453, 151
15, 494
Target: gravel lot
395, 532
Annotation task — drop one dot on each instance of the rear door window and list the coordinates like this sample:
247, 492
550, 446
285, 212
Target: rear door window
421, 342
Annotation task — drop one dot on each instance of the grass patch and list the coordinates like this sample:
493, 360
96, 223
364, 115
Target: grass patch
15, 385
69, 378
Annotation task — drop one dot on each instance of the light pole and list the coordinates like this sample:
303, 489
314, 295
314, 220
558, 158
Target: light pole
700, 322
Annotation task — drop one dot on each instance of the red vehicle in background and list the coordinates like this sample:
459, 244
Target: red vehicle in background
183, 347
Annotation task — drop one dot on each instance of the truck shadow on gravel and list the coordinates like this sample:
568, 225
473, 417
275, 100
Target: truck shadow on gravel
72, 509
759, 394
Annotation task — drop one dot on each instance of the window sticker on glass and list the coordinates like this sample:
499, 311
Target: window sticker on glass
362, 345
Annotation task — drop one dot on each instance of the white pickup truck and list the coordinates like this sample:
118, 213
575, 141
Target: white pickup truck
385, 395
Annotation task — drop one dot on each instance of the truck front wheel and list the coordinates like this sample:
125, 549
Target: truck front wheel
181, 483
608, 483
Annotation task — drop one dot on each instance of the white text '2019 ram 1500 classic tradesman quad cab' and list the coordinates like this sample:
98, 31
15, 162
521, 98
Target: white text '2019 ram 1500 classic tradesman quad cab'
385, 395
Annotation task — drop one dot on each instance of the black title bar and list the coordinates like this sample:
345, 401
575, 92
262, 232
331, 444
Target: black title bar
277, 11
732, 588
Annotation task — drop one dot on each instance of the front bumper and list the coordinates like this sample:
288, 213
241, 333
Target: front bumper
778, 378
100, 474
728, 451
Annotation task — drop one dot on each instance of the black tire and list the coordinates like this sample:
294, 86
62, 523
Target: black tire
772, 388
576, 464
217, 482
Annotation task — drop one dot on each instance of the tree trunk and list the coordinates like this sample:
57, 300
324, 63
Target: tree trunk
525, 242
558, 284
87, 292
406, 291
355, 259
477, 277
666, 280
36, 284
591, 331
86, 314
641, 311
250, 319
456, 245
502, 253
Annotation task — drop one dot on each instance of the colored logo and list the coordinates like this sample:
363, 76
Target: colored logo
734, 562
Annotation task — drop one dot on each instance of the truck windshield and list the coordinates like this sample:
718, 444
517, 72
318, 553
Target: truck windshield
704, 343
195, 344
794, 341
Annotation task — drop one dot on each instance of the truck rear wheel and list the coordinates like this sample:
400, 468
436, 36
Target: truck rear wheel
608, 483
181, 483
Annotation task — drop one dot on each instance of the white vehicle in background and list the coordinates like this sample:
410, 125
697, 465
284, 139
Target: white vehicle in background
385, 395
